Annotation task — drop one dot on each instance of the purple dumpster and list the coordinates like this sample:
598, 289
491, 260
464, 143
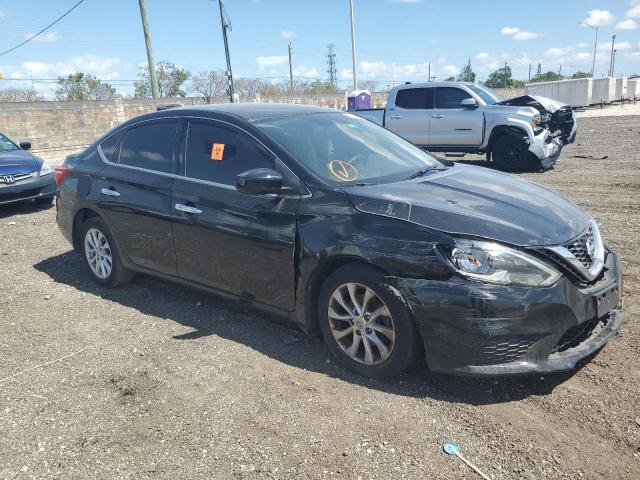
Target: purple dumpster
359, 100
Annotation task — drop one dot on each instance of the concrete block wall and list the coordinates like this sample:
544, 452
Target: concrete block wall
58, 129
575, 92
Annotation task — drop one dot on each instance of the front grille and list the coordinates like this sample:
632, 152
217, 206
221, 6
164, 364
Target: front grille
562, 120
580, 248
579, 333
505, 349
14, 178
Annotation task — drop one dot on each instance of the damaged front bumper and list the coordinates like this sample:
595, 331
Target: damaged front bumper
473, 328
546, 145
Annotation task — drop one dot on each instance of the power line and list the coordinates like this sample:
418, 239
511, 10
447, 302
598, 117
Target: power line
43, 30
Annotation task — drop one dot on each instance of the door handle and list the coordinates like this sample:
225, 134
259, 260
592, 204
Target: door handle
187, 208
437, 116
110, 192
395, 117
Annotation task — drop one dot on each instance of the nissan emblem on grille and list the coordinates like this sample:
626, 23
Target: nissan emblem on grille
8, 179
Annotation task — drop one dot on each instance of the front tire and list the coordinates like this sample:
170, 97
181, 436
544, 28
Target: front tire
511, 154
366, 325
101, 256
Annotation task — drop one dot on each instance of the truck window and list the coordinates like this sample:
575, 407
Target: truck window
415, 98
450, 97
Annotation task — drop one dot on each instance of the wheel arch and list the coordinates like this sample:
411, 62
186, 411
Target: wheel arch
510, 130
80, 217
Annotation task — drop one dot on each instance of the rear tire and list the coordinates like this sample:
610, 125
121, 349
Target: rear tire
511, 154
101, 255
366, 324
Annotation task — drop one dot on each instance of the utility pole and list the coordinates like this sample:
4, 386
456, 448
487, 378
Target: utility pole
560, 72
353, 47
155, 91
613, 64
331, 64
429, 74
529, 73
613, 45
290, 71
595, 50
227, 25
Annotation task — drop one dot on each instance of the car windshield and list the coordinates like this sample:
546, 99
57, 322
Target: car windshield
7, 145
489, 96
343, 148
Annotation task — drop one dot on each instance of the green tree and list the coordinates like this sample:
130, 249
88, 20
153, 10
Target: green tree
502, 78
80, 87
450, 79
580, 74
171, 78
467, 74
547, 77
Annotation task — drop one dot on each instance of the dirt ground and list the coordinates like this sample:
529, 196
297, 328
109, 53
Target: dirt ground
173, 383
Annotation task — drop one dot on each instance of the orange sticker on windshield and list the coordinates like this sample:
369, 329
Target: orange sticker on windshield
217, 151
342, 170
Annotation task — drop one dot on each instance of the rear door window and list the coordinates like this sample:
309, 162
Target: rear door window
415, 98
450, 97
150, 146
218, 153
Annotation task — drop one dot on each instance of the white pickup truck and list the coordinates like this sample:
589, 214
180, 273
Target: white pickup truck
517, 134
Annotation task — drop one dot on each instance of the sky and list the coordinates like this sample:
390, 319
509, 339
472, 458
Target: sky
395, 39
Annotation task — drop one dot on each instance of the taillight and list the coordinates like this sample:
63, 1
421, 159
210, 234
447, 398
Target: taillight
61, 171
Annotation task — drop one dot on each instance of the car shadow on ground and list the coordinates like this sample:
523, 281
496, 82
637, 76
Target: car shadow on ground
208, 314
22, 208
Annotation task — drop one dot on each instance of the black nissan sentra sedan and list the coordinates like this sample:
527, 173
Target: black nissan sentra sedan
346, 228
23, 176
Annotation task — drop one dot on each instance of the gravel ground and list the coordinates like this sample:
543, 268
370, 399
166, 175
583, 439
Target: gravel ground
173, 383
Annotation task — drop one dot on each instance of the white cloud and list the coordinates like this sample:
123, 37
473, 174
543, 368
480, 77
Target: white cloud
582, 45
627, 24
599, 18
517, 34
632, 13
45, 37
101, 67
287, 34
618, 46
303, 71
2, 13
345, 73
510, 30
270, 61
451, 70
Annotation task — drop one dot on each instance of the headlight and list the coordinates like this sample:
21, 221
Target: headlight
46, 169
495, 263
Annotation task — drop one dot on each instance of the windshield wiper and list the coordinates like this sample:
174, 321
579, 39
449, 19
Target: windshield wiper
421, 173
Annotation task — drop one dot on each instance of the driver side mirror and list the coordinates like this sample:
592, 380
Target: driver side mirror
259, 181
469, 103
25, 145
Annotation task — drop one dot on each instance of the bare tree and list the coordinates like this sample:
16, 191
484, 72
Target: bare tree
9, 95
209, 84
248, 87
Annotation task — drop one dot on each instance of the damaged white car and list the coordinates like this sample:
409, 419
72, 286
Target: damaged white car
523, 133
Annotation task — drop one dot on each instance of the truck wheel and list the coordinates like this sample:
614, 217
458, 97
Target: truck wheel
512, 155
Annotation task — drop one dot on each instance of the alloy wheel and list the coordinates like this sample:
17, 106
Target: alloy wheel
98, 253
361, 324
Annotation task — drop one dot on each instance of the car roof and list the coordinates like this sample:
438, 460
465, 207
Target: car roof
435, 84
251, 111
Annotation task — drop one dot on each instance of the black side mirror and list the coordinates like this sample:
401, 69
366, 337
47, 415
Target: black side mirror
25, 145
469, 103
259, 181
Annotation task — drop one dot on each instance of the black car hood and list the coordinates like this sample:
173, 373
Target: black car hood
18, 161
476, 201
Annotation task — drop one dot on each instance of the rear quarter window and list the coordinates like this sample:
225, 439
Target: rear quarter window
415, 98
111, 146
